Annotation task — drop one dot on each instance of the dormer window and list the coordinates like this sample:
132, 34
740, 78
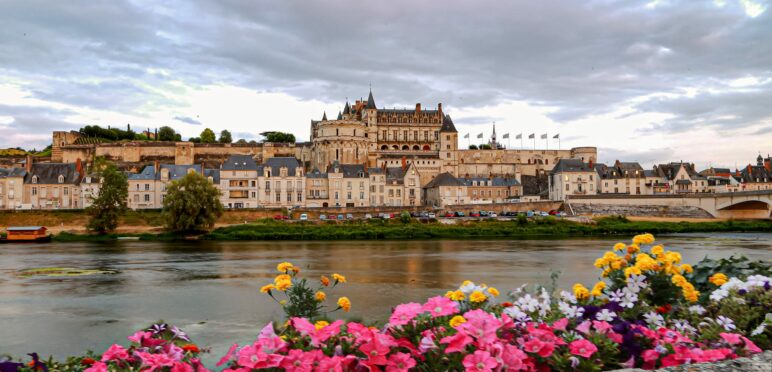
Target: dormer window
88, 179
34, 179
191, 170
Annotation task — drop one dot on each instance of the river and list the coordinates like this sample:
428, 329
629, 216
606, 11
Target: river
211, 289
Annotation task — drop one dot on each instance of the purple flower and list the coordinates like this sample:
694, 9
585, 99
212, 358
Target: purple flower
613, 306
9, 366
158, 328
178, 333
590, 311
767, 286
742, 291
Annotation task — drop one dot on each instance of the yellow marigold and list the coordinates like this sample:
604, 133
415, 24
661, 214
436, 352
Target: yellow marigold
281, 278
673, 257
456, 320
284, 267
324, 280
718, 279
283, 285
458, 296
493, 291
477, 297
678, 280
320, 324
320, 296
283, 302
267, 288
620, 246
643, 239
344, 303
605, 273
466, 282
632, 270
339, 278
581, 292
658, 250
600, 263
633, 249
616, 265
448, 294
687, 268
597, 290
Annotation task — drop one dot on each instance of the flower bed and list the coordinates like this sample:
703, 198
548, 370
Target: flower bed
648, 310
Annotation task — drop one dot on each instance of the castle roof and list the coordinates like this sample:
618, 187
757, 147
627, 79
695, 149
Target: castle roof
277, 163
239, 162
447, 125
48, 173
370, 100
571, 165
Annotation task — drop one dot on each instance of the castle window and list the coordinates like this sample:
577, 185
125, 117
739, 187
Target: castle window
61, 179
34, 179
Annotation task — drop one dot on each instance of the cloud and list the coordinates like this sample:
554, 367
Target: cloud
187, 120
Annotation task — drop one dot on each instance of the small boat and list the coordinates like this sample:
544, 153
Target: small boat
35, 234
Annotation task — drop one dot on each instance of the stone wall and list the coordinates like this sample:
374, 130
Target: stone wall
639, 210
539, 206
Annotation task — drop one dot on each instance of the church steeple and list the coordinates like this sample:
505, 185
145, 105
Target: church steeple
346, 109
370, 100
340, 117
324, 117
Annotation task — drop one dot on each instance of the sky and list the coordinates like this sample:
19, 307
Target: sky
646, 81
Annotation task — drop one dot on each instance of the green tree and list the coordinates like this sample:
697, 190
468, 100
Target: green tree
225, 137
192, 203
167, 133
278, 137
241, 141
110, 203
207, 136
473, 147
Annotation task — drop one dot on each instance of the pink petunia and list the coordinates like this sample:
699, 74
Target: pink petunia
375, 351
440, 306
750, 345
601, 326
227, 357
138, 336
731, 338
182, 367
582, 348
560, 324
360, 332
115, 352
456, 343
155, 361
404, 313
333, 364
482, 326
512, 358
650, 355
400, 362
298, 361
97, 367
480, 361
584, 327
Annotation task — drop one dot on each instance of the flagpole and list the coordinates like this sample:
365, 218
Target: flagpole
548, 141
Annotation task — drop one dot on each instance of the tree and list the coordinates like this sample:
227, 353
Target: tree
278, 137
110, 203
241, 141
473, 147
207, 136
166, 133
225, 137
192, 203
485, 146
194, 139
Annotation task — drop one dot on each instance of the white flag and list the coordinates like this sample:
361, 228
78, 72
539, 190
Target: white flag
519, 136
532, 136
544, 136
557, 136
467, 135
506, 135
479, 135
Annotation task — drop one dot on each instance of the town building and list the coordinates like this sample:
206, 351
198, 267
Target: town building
572, 177
281, 183
486, 190
238, 182
11, 187
756, 177
445, 190
147, 189
52, 185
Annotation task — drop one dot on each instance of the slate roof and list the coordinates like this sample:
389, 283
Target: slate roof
12, 172
751, 173
444, 179
571, 165
280, 162
348, 170
176, 172
495, 181
315, 173
370, 101
447, 125
147, 173
670, 170
239, 162
48, 173
214, 173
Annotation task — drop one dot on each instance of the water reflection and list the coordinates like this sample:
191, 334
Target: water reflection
211, 288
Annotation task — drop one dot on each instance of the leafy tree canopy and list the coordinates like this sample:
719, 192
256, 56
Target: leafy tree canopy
113, 134
207, 136
192, 203
110, 203
166, 133
225, 137
279, 137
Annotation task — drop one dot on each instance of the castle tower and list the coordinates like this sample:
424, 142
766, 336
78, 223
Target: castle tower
449, 145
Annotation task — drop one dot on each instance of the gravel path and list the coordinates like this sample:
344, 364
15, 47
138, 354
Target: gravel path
758, 363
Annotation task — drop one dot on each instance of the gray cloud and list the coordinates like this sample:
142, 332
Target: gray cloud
582, 58
187, 120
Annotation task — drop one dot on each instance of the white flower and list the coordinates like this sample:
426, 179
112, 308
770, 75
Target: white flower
568, 296
516, 314
759, 330
654, 319
605, 315
719, 294
616, 296
725, 322
637, 282
467, 288
528, 303
570, 311
683, 326
697, 309
629, 299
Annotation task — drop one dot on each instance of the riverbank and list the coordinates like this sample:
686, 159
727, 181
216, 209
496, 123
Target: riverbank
267, 229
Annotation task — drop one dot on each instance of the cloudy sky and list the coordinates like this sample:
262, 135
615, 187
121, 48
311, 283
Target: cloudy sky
648, 81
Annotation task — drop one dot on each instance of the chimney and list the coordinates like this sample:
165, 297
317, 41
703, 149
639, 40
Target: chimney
439, 108
28, 164
156, 166
202, 168
417, 108
404, 163
79, 167
768, 164
591, 164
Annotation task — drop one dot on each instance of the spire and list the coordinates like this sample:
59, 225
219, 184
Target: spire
340, 117
370, 100
346, 109
324, 117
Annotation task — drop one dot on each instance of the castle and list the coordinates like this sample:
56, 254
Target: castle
361, 134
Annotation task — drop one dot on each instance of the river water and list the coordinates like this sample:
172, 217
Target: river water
211, 289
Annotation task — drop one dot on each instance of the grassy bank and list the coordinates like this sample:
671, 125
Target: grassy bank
378, 229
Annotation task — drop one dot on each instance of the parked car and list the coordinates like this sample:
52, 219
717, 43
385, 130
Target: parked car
303, 217
386, 216
280, 217
322, 217
562, 214
340, 217
368, 216
431, 215
349, 216
484, 214
423, 214
544, 214
460, 214
474, 214
529, 214
331, 217
450, 214
493, 215
553, 213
